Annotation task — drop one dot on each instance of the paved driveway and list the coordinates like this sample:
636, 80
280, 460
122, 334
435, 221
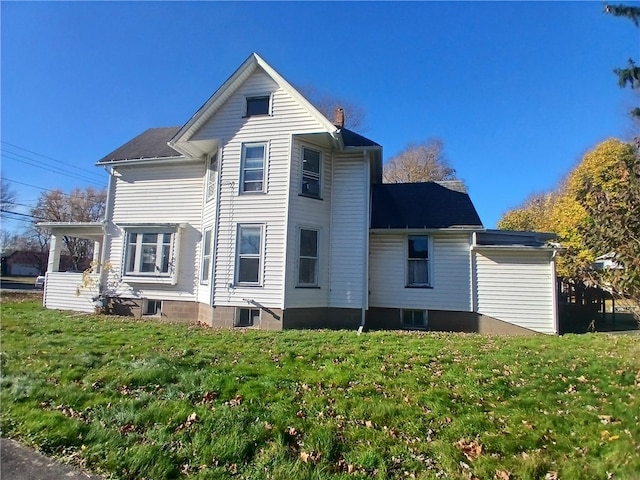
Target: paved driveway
18, 462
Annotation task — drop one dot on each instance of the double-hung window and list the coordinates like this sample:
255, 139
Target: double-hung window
308, 259
418, 261
253, 167
311, 161
211, 176
149, 253
206, 256
249, 255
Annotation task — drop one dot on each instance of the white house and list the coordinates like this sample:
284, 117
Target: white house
260, 212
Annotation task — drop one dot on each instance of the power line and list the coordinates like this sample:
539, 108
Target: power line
92, 172
57, 171
82, 170
14, 219
33, 217
29, 185
36, 186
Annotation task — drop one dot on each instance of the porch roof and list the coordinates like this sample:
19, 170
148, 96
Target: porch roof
88, 230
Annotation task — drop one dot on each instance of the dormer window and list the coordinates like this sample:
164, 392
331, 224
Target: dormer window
258, 105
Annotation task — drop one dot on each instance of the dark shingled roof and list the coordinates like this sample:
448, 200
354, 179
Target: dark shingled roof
421, 205
149, 144
353, 139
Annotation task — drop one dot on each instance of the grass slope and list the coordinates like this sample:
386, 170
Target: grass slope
147, 400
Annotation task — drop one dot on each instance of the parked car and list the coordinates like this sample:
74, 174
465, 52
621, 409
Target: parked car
39, 281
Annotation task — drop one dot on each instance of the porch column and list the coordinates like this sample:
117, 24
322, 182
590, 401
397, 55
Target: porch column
55, 246
97, 255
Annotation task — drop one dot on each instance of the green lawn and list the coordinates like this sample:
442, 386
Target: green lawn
142, 399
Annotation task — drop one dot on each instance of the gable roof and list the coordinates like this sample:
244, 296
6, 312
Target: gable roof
428, 205
180, 140
150, 144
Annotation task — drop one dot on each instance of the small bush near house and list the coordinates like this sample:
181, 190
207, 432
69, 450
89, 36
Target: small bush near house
140, 399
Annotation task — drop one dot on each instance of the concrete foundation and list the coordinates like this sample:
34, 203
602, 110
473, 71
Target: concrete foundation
314, 318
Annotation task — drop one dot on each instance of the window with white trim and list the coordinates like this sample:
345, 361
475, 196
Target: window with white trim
249, 255
258, 105
211, 176
206, 256
308, 258
253, 167
418, 261
311, 163
414, 318
149, 253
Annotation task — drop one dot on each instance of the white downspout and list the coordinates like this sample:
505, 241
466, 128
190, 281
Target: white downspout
216, 223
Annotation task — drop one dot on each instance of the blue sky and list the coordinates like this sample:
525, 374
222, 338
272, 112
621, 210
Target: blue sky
517, 91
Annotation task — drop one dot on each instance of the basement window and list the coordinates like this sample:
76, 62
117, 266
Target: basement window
247, 317
153, 308
414, 319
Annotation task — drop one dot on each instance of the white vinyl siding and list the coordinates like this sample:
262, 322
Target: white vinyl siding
450, 286
287, 115
63, 292
169, 193
232, 130
349, 232
516, 287
308, 213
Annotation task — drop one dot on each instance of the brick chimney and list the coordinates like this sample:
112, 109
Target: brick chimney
338, 117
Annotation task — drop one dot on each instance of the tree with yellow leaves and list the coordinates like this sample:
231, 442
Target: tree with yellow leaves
595, 211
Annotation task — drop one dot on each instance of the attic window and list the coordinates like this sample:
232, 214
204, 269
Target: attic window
258, 105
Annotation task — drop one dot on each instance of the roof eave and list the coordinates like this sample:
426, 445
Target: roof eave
425, 229
146, 161
514, 247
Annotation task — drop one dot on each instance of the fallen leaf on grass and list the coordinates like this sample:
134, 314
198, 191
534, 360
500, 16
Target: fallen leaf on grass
502, 475
551, 476
527, 424
208, 398
127, 428
235, 401
470, 449
605, 419
309, 457
191, 419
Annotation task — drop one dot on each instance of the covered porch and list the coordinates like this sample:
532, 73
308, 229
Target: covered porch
73, 290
